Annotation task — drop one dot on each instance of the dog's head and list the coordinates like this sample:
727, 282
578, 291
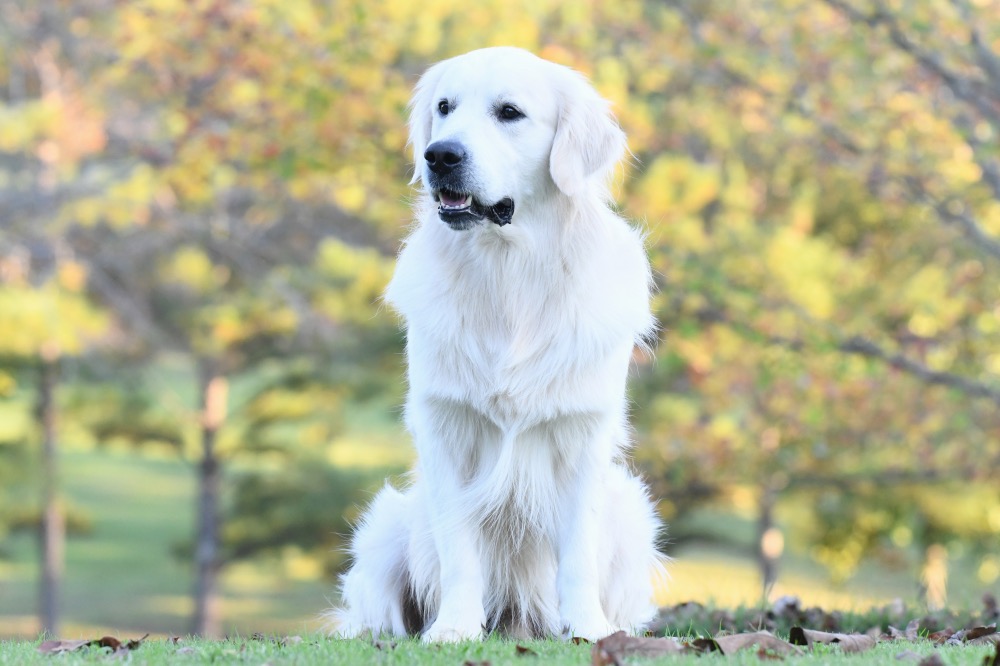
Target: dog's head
494, 129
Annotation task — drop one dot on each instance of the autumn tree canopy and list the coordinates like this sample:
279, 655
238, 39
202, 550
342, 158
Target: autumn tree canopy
820, 183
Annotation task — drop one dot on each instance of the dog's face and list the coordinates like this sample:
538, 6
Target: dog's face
496, 129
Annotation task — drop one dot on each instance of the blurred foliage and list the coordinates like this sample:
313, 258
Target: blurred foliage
820, 181
308, 508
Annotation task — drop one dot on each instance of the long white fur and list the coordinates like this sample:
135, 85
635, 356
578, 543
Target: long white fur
520, 516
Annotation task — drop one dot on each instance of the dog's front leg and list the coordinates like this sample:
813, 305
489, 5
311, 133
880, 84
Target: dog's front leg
578, 580
460, 613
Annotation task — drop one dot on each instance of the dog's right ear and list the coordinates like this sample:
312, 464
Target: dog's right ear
421, 114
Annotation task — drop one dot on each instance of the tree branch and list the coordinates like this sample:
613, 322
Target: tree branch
864, 347
956, 212
976, 93
988, 61
971, 229
861, 346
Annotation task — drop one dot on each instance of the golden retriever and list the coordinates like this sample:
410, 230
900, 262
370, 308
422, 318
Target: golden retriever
523, 296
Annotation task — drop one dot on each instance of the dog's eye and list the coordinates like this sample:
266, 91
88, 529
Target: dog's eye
509, 112
444, 107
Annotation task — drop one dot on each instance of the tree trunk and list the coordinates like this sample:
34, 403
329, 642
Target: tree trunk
770, 541
213, 390
52, 528
934, 577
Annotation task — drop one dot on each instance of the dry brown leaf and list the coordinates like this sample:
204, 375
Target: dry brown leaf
733, 643
764, 654
577, 640
847, 642
135, 643
107, 642
704, 645
986, 639
525, 651
941, 637
617, 646
982, 636
992, 659
115, 645
55, 647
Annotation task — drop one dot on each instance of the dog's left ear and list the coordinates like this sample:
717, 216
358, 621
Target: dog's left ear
421, 110
588, 141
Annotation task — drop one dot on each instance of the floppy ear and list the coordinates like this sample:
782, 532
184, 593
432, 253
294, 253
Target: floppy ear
588, 141
421, 109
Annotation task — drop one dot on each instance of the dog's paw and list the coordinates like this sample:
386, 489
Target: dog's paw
592, 628
452, 632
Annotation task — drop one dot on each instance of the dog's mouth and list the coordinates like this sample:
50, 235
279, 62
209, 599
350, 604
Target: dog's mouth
462, 211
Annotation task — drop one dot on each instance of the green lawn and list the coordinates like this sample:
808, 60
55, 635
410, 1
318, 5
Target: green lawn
121, 578
122, 575
318, 650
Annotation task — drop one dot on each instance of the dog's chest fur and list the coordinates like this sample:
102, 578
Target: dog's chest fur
527, 338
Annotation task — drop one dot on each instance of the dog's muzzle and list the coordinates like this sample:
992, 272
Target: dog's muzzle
446, 161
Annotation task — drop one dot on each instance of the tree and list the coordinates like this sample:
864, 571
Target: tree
48, 131
46, 323
206, 242
825, 265
819, 181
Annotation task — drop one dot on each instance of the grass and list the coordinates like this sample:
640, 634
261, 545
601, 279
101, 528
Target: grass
496, 652
121, 578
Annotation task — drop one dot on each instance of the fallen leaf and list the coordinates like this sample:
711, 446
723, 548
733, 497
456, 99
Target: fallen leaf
135, 643
931, 660
733, 643
765, 653
994, 659
988, 639
107, 642
55, 647
577, 640
704, 645
941, 637
525, 651
110, 642
847, 642
982, 636
612, 649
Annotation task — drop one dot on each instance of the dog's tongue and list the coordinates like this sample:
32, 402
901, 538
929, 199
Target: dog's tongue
454, 200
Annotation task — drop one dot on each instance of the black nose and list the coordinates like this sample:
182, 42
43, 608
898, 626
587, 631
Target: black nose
443, 156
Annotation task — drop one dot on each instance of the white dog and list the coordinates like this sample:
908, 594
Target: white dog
524, 296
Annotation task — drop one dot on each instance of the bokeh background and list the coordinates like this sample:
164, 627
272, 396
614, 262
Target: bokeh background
200, 202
